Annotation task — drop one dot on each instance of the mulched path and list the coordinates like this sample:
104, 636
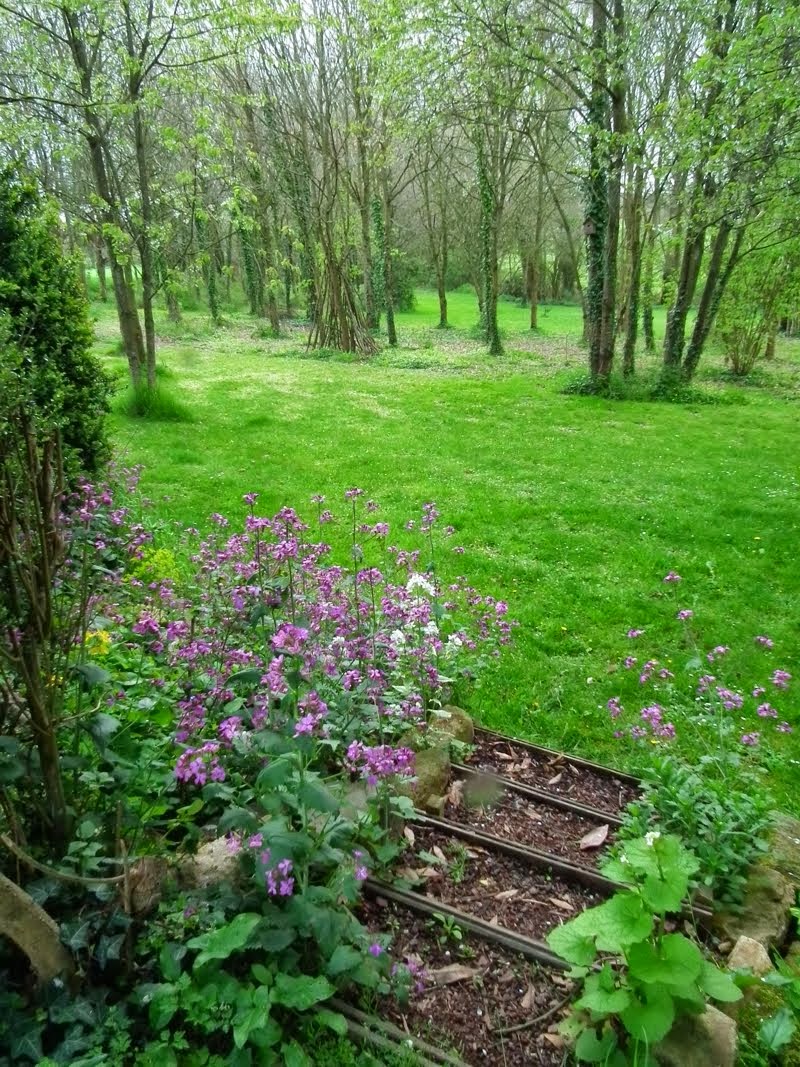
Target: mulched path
482, 804
496, 989
497, 888
551, 774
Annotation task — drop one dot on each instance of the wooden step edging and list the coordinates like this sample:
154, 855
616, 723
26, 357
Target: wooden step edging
364, 1029
552, 753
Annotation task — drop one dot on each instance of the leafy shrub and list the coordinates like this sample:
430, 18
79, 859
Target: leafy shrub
630, 1001
46, 317
725, 828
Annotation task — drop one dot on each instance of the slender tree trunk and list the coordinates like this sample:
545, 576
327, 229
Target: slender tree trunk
693, 249
596, 221
635, 269
647, 289
100, 263
489, 272
716, 282
367, 265
144, 241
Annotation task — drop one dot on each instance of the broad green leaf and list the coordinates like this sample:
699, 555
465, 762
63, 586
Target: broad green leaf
221, 943
251, 676
621, 921
589, 1048
718, 984
275, 773
344, 958
663, 896
605, 1003
252, 1013
317, 797
301, 992
293, 1056
333, 1020
163, 1005
92, 675
573, 943
777, 1031
650, 1019
676, 962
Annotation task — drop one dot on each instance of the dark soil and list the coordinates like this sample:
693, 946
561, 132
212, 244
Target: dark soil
551, 774
482, 804
497, 888
497, 990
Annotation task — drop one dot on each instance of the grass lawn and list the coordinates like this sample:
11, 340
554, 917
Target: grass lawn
570, 508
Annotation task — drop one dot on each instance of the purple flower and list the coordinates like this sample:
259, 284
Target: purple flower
759, 691
684, 614
717, 652
615, 709
629, 661
634, 633
731, 701
375, 949
256, 841
317, 498
647, 671
784, 728
780, 679
766, 711
665, 730
351, 494
652, 715
750, 739
672, 578
250, 498
763, 640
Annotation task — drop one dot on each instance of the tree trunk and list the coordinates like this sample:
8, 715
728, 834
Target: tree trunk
489, 271
384, 232
635, 276
144, 241
713, 291
100, 262
675, 333
647, 289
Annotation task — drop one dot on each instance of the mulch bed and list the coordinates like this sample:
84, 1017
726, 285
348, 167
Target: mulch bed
551, 774
482, 804
472, 993
492, 886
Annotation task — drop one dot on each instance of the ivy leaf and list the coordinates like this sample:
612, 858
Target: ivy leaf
777, 1031
221, 943
28, 1045
651, 1019
301, 992
77, 934
718, 984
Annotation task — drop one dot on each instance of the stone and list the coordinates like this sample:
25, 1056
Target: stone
784, 846
749, 955
451, 723
147, 879
212, 864
764, 915
432, 770
707, 1040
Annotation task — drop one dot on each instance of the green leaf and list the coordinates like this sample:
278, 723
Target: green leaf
77, 934
344, 958
275, 773
251, 676
221, 943
663, 895
170, 960
27, 1045
252, 1013
676, 962
102, 727
621, 921
605, 1003
650, 1019
333, 1020
573, 942
317, 797
719, 984
293, 1056
163, 1005
301, 992
591, 1049
777, 1031
91, 675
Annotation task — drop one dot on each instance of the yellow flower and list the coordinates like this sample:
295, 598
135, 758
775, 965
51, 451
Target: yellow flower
98, 642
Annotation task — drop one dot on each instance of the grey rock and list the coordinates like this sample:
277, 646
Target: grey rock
707, 1040
749, 955
784, 846
432, 770
212, 864
765, 913
451, 723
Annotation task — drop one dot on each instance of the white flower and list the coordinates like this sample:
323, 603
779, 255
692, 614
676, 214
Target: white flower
650, 837
454, 641
431, 629
397, 637
416, 581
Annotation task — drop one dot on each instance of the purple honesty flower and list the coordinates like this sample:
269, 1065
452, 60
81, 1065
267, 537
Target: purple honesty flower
759, 691
351, 494
615, 709
255, 841
317, 498
672, 578
730, 700
766, 711
652, 715
250, 498
634, 633
717, 652
750, 739
684, 614
780, 679
764, 641
784, 728
647, 671
375, 949
629, 661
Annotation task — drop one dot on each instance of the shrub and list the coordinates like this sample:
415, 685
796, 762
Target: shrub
46, 316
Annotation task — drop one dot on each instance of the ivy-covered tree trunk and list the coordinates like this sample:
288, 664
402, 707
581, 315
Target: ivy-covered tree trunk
100, 265
635, 273
489, 273
648, 256
717, 277
382, 216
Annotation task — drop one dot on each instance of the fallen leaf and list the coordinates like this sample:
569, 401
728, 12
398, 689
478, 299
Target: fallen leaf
506, 894
408, 834
494, 921
505, 755
556, 1040
453, 972
557, 779
595, 838
439, 855
526, 764
563, 904
529, 999
506, 977
455, 794
532, 813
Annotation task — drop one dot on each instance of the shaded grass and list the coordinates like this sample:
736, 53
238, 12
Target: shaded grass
570, 508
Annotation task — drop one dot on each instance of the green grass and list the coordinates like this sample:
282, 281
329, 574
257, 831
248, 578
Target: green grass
570, 508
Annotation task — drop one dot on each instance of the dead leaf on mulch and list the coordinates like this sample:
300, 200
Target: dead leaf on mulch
529, 999
439, 855
408, 834
556, 1040
557, 779
506, 894
532, 813
565, 905
455, 793
453, 972
595, 838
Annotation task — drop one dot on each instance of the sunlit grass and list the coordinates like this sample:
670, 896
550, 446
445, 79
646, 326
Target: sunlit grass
572, 509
